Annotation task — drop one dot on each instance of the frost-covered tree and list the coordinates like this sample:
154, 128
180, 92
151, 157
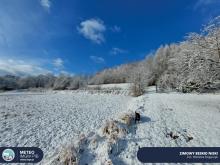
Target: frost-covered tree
119, 74
137, 86
77, 82
211, 38
27, 82
62, 82
45, 81
8, 82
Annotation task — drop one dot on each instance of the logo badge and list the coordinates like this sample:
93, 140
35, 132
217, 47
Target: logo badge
8, 155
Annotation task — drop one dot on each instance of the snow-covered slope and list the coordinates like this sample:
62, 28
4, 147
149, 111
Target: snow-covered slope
48, 120
185, 115
122, 86
51, 119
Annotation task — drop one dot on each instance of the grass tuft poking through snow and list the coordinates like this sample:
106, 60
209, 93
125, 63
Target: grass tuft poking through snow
127, 118
68, 156
101, 147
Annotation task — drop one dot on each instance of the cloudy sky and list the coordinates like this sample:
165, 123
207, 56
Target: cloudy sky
84, 36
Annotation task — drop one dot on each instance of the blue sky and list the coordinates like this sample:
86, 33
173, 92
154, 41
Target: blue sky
85, 36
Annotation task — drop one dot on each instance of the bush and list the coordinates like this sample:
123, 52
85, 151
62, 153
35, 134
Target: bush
137, 87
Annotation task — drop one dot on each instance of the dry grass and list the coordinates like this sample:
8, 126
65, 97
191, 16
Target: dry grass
68, 156
108, 162
111, 130
127, 119
112, 133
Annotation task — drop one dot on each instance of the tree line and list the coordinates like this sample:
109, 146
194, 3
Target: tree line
48, 81
191, 65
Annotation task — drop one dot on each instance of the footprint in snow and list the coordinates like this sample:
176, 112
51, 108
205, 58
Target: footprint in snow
174, 135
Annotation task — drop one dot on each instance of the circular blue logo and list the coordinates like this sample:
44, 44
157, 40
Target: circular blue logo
8, 155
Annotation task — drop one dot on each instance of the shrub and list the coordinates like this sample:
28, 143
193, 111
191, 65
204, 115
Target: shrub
137, 87
127, 119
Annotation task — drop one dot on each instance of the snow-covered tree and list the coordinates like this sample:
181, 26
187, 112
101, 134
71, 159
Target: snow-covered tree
8, 82
62, 82
211, 38
77, 82
27, 82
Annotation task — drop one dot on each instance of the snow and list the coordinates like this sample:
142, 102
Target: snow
186, 115
50, 119
122, 86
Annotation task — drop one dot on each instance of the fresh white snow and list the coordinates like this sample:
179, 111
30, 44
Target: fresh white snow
49, 120
186, 115
123, 86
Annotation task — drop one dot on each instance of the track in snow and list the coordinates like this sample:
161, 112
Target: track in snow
184, 114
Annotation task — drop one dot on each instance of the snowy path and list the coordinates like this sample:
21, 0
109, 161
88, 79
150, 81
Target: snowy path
48, 120
183, 114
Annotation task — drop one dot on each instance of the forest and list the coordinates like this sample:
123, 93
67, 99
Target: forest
187, 66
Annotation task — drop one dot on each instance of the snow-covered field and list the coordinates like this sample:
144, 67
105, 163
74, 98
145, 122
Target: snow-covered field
185, 115
123, 86
50, 119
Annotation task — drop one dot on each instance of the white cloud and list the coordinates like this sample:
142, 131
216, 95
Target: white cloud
67, 73
97, 59
93, 30
116, 51
116, 29
46, 4
58, 63
20, 68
